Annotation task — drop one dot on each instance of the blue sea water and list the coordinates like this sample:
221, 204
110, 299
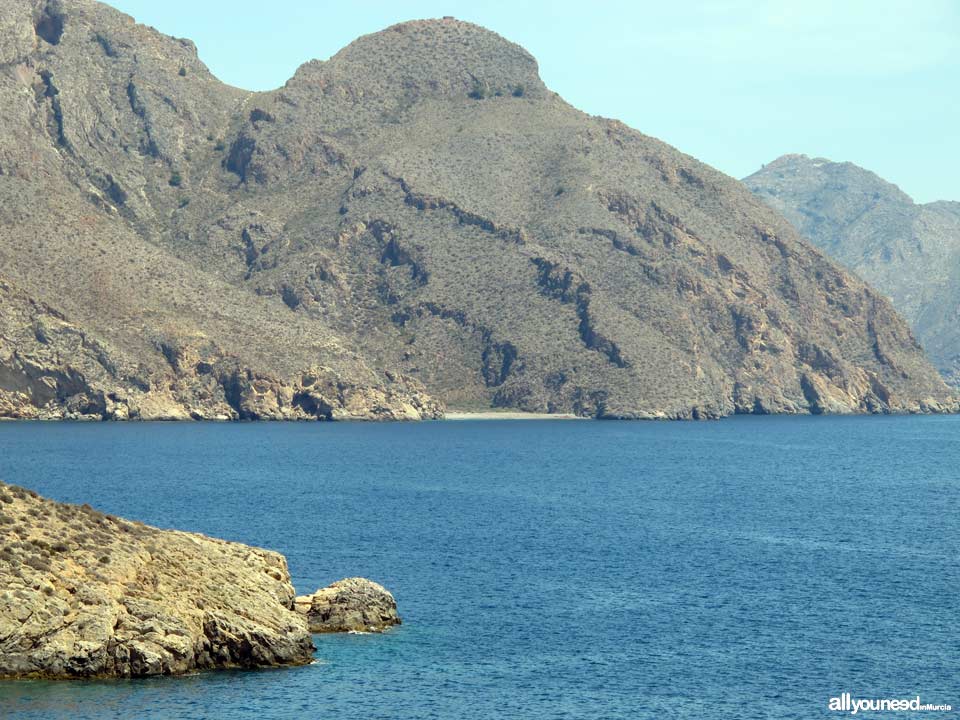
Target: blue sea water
746, 568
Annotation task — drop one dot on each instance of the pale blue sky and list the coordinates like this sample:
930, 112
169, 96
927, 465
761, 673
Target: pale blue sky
735, 83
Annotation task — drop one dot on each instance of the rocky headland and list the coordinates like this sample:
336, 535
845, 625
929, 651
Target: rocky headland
87, 595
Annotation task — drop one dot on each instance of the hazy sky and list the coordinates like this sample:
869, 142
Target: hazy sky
735, 83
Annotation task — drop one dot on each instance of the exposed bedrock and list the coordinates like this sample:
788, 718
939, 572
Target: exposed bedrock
352, 604
85, 595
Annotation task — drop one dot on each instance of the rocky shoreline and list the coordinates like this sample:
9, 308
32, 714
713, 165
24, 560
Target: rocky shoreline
89, 595
927, 406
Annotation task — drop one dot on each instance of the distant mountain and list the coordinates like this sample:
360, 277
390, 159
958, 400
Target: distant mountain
908, 251
417, 221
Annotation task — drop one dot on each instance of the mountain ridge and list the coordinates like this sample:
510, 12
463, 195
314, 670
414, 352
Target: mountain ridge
905, 249
420, 218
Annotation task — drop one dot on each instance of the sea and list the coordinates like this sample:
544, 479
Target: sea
752, 567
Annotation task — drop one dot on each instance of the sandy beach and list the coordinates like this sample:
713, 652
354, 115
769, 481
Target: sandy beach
509, 415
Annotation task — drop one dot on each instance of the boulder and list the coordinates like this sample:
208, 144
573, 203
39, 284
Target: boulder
352, 604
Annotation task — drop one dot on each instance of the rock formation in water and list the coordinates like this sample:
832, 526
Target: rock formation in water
83, 594
416, 221
909, 252
352, 604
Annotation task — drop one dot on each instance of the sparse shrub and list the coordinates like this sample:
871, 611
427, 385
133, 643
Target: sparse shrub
183, 203
480, 90
183, 72
258, 115
5, 497
176, 179
220, 146
518, 91
41, 545
37, 563
104, 560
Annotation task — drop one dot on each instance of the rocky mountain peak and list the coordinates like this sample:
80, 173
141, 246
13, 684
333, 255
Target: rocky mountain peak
427, 57
831, 195
797, 170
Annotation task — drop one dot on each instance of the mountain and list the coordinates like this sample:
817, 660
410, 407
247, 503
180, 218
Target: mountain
909, 252
416, 222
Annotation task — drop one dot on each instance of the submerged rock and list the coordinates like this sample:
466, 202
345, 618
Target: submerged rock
352, 604
83, 594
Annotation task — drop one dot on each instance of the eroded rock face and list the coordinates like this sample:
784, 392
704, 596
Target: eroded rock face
83, 594
352, 604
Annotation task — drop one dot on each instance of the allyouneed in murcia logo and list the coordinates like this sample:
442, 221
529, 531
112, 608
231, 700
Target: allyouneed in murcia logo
845, 702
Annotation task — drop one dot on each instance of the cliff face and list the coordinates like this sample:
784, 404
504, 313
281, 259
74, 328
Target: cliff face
419, 211
84, 594
909, 252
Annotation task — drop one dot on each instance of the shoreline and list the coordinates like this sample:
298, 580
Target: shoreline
509, 415
459, 415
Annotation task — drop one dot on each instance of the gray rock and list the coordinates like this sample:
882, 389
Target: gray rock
352, 604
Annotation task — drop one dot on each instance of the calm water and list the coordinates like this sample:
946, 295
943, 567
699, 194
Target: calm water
748, 568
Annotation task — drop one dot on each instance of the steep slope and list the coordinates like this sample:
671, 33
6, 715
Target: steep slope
422, 206
909, 252
98, 117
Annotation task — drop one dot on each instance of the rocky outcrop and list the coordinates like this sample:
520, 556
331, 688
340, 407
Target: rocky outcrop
417, 217
352, 604
83, 594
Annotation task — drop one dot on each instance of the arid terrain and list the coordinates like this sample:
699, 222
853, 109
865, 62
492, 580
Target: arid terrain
413, 224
